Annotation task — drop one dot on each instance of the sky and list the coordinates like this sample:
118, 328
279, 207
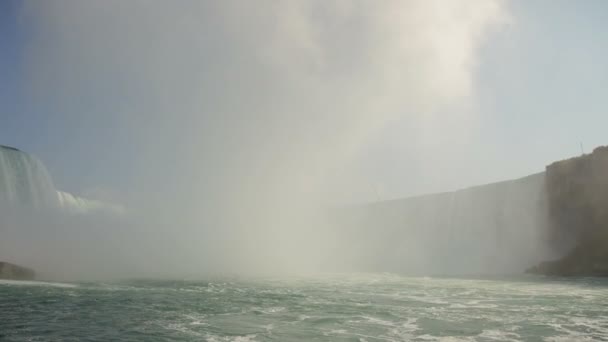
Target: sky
356, 100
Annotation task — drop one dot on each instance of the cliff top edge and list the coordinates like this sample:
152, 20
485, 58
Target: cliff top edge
10, 148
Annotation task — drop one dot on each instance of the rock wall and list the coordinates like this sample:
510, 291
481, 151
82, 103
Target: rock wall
15, 272
577, 195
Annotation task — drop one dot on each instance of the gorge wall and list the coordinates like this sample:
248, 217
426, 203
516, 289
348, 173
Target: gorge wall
15, 272
577, 193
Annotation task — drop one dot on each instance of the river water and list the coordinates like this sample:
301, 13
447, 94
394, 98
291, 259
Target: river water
341, 307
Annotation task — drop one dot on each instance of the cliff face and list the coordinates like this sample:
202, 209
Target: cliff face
577, 196
14, 272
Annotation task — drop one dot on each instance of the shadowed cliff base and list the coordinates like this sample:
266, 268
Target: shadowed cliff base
15, 272
577, 195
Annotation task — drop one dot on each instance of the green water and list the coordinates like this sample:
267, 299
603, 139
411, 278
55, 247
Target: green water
365, 307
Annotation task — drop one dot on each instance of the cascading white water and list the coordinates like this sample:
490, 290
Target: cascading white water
78, 205
24, 180
494, 228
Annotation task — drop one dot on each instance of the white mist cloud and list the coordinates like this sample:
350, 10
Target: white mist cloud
242, 113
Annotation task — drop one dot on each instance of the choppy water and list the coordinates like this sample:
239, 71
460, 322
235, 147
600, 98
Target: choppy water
329, 308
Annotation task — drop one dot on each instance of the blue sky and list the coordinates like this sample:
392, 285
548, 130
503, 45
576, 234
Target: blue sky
540, 87
44, 131
11, 40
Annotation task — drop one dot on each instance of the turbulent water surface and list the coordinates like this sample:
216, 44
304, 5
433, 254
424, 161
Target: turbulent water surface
337, 308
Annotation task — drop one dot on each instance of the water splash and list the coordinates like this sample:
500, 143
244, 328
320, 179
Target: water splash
79, 205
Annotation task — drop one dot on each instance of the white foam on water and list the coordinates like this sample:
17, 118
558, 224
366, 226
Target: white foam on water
270, 310
499, 335
215, 338
303, 317
473, 304
427, 337
338, 331
411, 325
573, 331
268, 328
568, 338
361, 337
35, 283
196, 319
180, 327
427, 299
378, 321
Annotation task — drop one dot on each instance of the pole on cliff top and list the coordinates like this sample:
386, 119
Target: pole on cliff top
582, 150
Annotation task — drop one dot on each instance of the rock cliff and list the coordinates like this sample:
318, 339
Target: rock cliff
577, 196
15, 272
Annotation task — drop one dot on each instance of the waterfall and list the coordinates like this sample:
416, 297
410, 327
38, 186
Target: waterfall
24, 180
78, 205
493, 228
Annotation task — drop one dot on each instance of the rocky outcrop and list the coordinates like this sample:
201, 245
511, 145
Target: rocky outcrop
577, 196
15, 272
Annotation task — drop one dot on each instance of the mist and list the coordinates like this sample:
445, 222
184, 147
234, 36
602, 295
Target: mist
230, 130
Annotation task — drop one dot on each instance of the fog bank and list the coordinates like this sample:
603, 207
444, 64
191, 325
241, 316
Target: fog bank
228, 128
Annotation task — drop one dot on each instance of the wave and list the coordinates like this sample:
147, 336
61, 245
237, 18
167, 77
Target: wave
35, 283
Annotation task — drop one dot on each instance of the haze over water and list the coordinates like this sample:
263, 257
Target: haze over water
232, 132
224, 170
